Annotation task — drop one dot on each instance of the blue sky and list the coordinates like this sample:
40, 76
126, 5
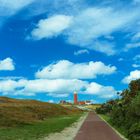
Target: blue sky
50, 48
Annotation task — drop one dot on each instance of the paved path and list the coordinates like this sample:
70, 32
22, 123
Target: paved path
95, 128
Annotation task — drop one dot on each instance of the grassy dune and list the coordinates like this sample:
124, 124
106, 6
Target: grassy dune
29, 119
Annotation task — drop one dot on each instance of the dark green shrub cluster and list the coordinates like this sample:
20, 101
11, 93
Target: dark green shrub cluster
125, 112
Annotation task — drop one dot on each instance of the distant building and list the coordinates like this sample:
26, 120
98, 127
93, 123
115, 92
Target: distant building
76, 102
81, 103
75, 98
88, 102
63, 102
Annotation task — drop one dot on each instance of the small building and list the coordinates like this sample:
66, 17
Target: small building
81, 103
88, 102
63, 102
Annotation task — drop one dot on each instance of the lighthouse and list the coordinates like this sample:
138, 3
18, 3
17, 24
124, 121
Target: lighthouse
75, 98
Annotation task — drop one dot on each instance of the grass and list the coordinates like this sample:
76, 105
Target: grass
93, 106
19, 112
38, 130
107, 119
30, 119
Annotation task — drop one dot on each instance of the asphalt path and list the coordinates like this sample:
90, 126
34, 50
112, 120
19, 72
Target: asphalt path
94, 128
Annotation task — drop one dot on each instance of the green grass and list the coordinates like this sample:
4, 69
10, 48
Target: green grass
107, 119
39, 129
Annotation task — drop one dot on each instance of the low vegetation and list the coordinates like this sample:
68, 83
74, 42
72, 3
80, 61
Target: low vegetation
38, 130
93, 106
124, 113
29, 119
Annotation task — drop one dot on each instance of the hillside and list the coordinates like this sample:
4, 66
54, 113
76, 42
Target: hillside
14, 112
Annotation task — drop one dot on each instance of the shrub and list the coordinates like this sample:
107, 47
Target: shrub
134, 132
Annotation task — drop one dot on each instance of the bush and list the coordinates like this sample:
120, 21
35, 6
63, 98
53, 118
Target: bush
134, 132
125, 112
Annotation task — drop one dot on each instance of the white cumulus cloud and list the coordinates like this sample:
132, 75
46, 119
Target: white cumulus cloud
7, 64
54, 86
85, 28
7, 85
100, 90
132, 76
57, 88
51, 27
67, 70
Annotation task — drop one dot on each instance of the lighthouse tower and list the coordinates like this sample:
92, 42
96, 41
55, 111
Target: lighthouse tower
75, 98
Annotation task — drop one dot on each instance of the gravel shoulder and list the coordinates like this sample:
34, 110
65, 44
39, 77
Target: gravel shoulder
68, 133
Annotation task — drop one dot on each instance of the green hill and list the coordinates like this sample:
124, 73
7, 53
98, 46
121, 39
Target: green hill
14, 112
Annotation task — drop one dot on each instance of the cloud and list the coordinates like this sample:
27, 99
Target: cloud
51, 27
136, 60
9, 8
135, 65
132, 76
60, 95
67, 70
79, 52
7, 86
83, 24
51, 101
131, 46
136, 36
53, 7
7, 64
87, 26
61, 79
58, 88
98, 22
100, 90
14, 87
104, 47
14, 5
54, 86
11, 77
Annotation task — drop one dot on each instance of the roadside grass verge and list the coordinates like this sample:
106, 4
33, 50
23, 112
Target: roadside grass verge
120, 131
39, 129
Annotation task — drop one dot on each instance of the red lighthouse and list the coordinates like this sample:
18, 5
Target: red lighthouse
75, 98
